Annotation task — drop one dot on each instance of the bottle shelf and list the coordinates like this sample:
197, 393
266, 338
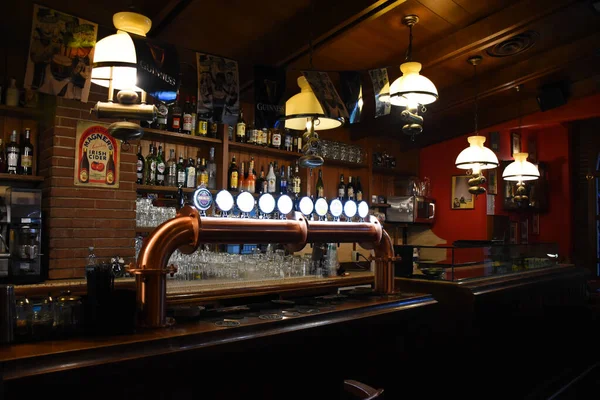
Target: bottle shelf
21, 178
174, 137
291, 155
21, 112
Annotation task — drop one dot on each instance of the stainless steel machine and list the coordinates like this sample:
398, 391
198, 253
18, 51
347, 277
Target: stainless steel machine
22, 226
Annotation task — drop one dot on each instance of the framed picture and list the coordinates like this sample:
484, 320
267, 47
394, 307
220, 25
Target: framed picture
535, 224
461, 198
514, 229
525, 231
495, 142
515, 140
532, 150
492, 181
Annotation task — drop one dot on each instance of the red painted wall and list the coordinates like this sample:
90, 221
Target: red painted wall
551, 132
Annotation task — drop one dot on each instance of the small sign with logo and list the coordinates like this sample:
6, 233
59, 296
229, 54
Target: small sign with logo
96, 156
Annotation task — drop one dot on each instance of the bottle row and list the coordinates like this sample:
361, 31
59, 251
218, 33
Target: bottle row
17, 157
277, 180
155, 169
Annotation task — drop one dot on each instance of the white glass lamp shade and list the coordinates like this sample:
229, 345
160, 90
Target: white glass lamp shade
412, 88
520, 170
476, 156
118, 51
300, 108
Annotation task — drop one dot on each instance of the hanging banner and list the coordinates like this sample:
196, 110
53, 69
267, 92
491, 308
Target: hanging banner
60, 54
97, 156
381, 89
328, 97
269, 89
157, 68
218, 88
351, 83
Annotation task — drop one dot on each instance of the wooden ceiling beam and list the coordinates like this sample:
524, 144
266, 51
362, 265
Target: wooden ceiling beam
166, 15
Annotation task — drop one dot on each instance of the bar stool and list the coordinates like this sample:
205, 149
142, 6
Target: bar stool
360, 391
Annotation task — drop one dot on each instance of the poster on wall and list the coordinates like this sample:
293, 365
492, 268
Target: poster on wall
381, 88
60, 54
97, 156
218, 88
461, 198
269, 90
328, 97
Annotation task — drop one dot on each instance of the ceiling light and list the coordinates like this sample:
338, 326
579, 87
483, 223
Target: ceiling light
304, 108
520, 170
412, 89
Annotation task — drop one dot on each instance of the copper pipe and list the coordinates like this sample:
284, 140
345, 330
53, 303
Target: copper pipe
188, 229
384, 265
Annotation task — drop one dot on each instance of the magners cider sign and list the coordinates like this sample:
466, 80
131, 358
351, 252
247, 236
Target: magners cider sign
96, 156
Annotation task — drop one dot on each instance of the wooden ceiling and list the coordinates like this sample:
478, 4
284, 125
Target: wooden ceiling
363, 34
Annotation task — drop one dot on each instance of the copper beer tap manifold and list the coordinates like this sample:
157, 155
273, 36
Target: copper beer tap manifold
188, 229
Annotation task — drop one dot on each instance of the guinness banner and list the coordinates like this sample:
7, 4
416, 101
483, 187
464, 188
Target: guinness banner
352, 94
269, 88
158, 68
328, 97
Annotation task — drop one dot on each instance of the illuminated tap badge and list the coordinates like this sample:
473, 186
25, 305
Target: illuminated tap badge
97, 156
202, 199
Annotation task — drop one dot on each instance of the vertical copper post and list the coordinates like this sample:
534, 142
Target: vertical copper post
384, 265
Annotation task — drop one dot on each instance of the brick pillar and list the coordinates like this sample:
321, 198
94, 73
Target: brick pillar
75, 217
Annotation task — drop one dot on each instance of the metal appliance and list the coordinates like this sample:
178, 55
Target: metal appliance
24, 222
410, 209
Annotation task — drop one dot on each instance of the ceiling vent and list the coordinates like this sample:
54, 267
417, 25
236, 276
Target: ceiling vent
514, 45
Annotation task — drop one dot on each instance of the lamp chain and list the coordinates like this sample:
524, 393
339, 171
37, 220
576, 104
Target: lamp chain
409, 50
476, 98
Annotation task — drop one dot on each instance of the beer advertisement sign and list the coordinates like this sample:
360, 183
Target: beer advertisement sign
96, 156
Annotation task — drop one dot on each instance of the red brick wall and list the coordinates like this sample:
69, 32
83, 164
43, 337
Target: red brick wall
75, 217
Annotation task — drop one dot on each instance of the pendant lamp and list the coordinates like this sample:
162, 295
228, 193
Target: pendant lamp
412, 89
520, 170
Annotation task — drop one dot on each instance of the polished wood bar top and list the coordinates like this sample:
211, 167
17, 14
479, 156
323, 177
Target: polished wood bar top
179, 292
28, 359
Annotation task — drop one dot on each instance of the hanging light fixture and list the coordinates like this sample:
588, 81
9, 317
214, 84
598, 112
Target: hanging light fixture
520, 170
476, 157
130, 63
304, 112
412, 89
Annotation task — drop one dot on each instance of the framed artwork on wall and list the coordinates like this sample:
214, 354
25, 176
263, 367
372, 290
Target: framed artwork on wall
532, 150
495, 142
525, 231
492, 181
461, 198
515, 140
514, 230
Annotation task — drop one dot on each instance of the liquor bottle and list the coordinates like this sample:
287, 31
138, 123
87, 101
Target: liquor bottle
350, 189
282, 181
84, 167
202, 178
194, 112
320, 192
358, 190
160, 167
140, 167
264, 137
290, 180
212, 170
202, 125
175, 116
150, 167
241, 177
261, 182
240, 128
180, 171
287, 141
251, 180
271, 180
297, 182
171, 176
2, 158
27, 154
12, 154
342, 188
161, 117
110, 169
186, 126
213, 127
190, 173
276, 139
233, 176
298, 144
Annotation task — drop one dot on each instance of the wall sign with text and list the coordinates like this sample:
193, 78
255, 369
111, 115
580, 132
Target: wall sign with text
96, 156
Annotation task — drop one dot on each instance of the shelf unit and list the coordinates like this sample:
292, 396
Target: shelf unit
20, 112
179, 138
20, 178
269, 151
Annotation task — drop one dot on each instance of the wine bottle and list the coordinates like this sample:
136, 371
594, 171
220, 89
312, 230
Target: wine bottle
190, 173
160, 167
350, 189
271, 180
175, 116
140, 167
342, 188
180, 171
110, 169
84, 167
358, 191
233, 176
150, 166
27, 154
171, 178
12, 154
320, 188
187, 117
240, 128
